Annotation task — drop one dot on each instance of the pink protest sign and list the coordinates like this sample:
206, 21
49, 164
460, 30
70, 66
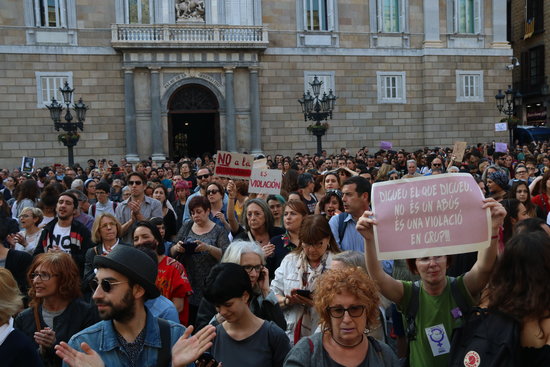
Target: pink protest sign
429, 216
501, 147
233, 165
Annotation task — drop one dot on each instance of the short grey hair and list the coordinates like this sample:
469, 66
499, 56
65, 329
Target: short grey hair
352, 259
238, 248
412, 161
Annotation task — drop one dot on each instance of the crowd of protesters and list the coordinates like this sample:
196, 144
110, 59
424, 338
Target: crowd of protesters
151, 263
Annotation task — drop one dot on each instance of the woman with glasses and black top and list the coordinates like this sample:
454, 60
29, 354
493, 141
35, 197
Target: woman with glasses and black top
56, 310
347, 303
263, 302
296, 278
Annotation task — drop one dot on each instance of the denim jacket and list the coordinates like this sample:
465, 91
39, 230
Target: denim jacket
101, 337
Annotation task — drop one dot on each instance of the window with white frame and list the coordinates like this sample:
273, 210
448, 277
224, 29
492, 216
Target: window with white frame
466, 16
469, 86
318, 15
138, 11
391, 87
326, 77
50, 13
48, 84
390, 16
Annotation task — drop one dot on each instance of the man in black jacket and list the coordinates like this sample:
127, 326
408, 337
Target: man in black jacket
64, 233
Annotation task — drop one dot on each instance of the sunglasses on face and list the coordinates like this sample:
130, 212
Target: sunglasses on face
249, 268
212, 192
338, 311
201, 177
130, 183
106, 286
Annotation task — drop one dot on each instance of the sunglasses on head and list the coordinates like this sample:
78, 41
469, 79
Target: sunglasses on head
106, 286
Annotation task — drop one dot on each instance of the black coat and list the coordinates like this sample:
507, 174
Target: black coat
18, 262
77, 316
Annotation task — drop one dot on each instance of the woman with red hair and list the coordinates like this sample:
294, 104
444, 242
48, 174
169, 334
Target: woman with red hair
56, 310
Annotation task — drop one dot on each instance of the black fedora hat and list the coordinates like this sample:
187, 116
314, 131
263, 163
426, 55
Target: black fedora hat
134, 264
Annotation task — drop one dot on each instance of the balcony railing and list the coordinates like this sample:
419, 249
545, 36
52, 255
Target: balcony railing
187, 36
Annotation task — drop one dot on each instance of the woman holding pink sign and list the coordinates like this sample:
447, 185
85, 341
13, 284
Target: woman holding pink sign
437, 310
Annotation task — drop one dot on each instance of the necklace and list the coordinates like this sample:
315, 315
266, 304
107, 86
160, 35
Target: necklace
348, 346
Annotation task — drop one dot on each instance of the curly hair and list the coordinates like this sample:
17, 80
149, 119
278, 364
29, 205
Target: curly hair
352, 280
519, 284
63, 266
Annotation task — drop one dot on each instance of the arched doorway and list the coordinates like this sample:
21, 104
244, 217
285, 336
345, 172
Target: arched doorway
193, 122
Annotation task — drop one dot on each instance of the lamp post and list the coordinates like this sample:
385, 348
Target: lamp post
506, 103
317, 109
71, 137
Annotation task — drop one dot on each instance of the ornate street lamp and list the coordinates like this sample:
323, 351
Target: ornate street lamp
317, 109
506, 104
70, 137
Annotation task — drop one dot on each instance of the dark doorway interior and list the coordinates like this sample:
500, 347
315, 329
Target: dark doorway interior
193, 134
194, 125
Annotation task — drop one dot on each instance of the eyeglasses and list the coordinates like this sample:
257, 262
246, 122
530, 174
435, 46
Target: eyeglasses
108, 224
338, 311
106, 286
212, 192
130, 183
520, 172
427, 260
201, 177
436, 164
24, 216
43, 276
249, 268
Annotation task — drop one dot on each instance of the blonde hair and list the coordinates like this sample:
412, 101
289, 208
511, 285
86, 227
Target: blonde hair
36, 213
10, 296
96, 235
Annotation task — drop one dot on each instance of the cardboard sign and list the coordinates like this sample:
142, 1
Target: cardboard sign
27, 164
387, 145
501, 147
501, 126
265, 181
233, 165
458, 150
429, 216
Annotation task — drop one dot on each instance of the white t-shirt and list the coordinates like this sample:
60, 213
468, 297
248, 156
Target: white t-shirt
61, 237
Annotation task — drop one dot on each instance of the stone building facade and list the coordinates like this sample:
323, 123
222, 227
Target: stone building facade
167, 79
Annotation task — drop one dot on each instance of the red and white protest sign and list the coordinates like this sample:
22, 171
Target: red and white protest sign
265, 181
233, 165
429, 216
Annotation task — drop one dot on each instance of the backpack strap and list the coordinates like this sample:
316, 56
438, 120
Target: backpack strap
459, 298
376, 345
93, 210
164, 356
342, 226
412, 310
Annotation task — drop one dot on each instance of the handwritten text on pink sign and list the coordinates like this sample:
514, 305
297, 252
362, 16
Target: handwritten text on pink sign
234, 165
432, 215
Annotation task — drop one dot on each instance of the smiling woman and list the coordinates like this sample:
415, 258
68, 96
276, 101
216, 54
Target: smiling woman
56, 311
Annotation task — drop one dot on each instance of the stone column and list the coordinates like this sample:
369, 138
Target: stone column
255, 123
130, 116
156, 127
231, 132
499, 25
431, 24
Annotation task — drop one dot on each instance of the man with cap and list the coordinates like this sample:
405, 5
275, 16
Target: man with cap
129, 334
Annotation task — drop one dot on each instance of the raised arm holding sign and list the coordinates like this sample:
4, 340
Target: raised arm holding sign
424, 350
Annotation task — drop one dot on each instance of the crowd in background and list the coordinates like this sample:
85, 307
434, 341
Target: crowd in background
63, 228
